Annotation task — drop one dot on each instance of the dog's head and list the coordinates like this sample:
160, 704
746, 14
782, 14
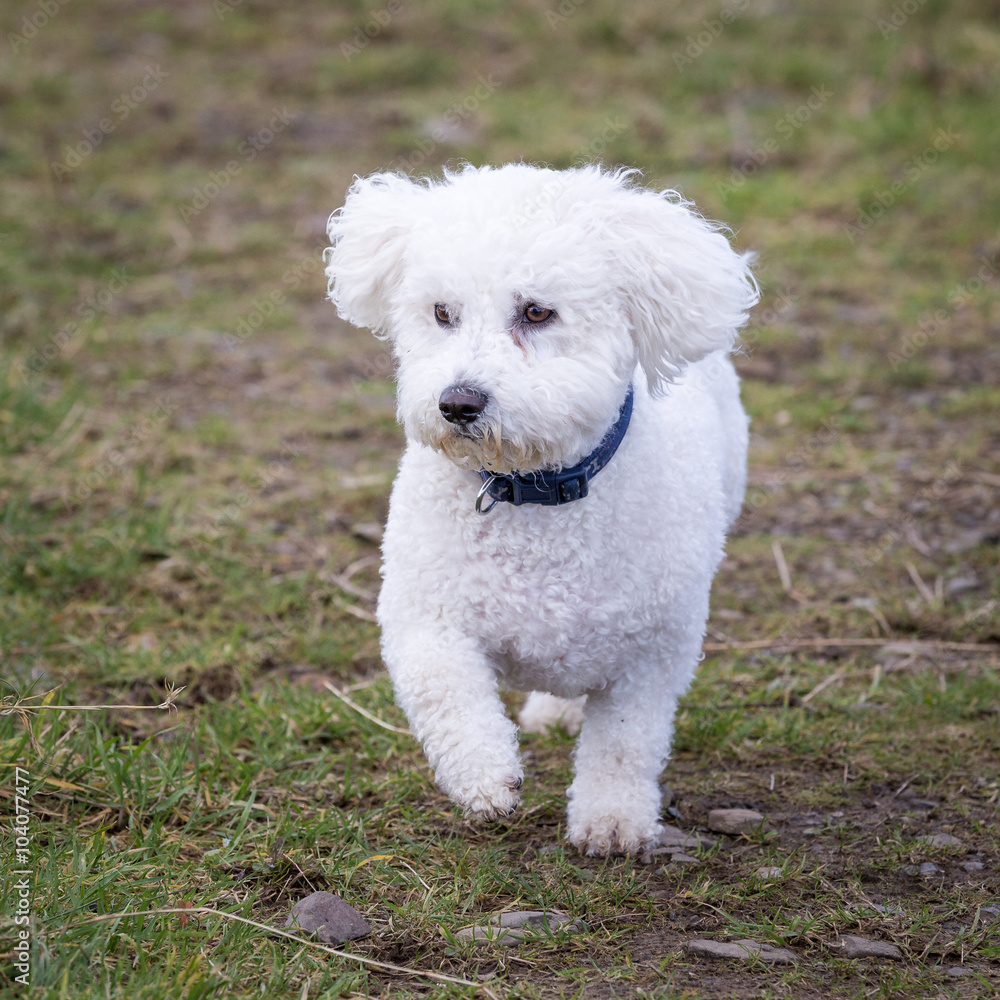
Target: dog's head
519, 300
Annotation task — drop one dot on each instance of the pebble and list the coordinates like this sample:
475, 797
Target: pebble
683, 859
972, 866
675, 841
939, 840
925, 870
957, 970
512, 928
734, 821
328, 917
859, 947
768, 871
745, 950
370, 531
989, 914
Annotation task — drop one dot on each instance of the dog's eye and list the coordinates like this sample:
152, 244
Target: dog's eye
536, 314
442, 315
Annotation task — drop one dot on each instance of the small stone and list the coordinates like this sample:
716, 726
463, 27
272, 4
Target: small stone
743, 950
927, 869
768, 871
859, 947
512, 928
956, 971
683, 859
923, 804
972, 866
989, 914
734, 821
370, 531
673, 840
671, 836
939, 840
328, 917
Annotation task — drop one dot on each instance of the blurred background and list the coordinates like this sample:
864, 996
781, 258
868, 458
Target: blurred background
196, 454
175, 386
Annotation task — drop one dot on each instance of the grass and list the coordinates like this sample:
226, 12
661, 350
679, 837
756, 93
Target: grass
194, 450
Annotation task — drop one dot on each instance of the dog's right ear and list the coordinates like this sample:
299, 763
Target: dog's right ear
368, 237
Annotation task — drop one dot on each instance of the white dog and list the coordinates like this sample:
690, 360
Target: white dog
576, 451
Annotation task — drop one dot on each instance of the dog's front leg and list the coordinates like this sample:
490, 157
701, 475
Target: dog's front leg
615, 798
448, 690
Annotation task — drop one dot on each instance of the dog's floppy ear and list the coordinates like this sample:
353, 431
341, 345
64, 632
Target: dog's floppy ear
368, 237
686, 290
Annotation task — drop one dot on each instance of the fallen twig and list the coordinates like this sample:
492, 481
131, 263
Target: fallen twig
209, 911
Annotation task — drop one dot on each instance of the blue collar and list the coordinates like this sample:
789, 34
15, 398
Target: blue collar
552, 489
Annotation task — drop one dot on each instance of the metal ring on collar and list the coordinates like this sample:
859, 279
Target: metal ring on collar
482, 492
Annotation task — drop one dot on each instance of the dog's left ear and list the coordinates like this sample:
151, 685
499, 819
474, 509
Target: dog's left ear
368, 237
686, 291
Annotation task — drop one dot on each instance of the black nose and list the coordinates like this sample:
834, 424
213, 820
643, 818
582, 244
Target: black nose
461, 405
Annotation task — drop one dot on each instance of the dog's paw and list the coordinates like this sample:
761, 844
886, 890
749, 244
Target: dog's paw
544, 711
604, 836
487, 794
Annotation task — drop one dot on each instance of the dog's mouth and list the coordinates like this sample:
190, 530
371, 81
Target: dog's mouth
482, 444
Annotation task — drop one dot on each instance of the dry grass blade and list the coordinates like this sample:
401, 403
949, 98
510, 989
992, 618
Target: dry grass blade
363, 711
783, 572
823, 685
23, 706
925, 592
831, 643
209, 911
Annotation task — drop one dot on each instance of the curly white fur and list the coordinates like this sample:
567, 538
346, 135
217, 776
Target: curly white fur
603, 599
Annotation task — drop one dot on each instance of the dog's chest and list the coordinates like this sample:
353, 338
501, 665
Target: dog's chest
563, 604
